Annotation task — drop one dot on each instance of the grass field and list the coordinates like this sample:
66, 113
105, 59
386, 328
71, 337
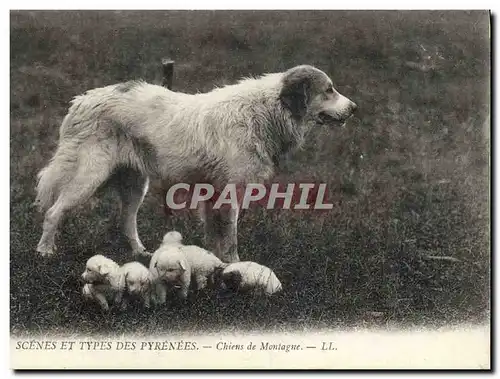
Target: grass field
408, 177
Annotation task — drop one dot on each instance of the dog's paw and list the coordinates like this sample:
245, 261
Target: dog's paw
159, 302
231, 258
46, 251
142, 253
105, 308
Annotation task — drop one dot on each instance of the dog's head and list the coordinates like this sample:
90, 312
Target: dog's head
230, 280
172, 238
98, 269
309, 95
137, 281
214, 279
171, 266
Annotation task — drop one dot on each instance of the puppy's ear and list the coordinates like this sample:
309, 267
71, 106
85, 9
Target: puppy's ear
215, 278
104, 269
232, 280
295, 93
182, 264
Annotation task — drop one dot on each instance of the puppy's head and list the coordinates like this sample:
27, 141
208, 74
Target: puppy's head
171, 268
172, 238
231, 280
214, 279
98, 269
137, 282
309, 95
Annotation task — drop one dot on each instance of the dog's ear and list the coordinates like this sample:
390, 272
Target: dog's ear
295, 93
143, 281
215, 278
104, 269
172, 237
232, 280
183, 265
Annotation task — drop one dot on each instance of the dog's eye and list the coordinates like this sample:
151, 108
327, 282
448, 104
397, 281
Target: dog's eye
329, 90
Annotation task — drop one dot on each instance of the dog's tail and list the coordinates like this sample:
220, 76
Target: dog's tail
52, 177
47, 187
62, 167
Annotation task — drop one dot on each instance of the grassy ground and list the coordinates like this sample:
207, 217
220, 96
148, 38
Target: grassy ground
408, 177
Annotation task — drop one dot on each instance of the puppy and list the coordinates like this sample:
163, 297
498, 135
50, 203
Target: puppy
138, 283
247, 277
173, 264
103, 281
172, 238
107, 282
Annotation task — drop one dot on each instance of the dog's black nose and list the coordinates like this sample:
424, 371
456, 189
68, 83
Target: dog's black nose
353, 107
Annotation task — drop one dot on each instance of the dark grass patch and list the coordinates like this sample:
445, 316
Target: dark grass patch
408, 176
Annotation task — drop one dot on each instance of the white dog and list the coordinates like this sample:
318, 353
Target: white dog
172, 238
107, 282
138, 282
174, 264
248, 277
125, 134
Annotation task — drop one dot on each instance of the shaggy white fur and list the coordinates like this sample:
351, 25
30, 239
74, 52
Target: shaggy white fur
105, 282
127, 133
174, 264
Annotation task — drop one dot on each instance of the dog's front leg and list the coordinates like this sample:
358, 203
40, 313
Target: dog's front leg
228, 237
160, 293
146, 297
185, 283
221, 232
101, 299
201, 282
124, 304
119, 300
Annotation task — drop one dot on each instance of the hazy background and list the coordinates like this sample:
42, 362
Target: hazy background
408, 176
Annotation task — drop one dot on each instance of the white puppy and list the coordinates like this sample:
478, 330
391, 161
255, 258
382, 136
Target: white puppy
172, 238
248, 277
173, 264
138, 282
107, 282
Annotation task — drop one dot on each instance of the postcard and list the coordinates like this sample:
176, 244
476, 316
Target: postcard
250, 189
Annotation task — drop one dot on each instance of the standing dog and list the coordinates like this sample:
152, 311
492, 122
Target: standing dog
130, 132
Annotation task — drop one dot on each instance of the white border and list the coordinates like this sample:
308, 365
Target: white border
251, 5
187, 4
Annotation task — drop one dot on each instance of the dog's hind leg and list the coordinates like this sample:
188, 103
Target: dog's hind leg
93, 169
132, 187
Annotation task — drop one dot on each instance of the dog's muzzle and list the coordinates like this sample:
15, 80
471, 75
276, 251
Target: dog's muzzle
325, 118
